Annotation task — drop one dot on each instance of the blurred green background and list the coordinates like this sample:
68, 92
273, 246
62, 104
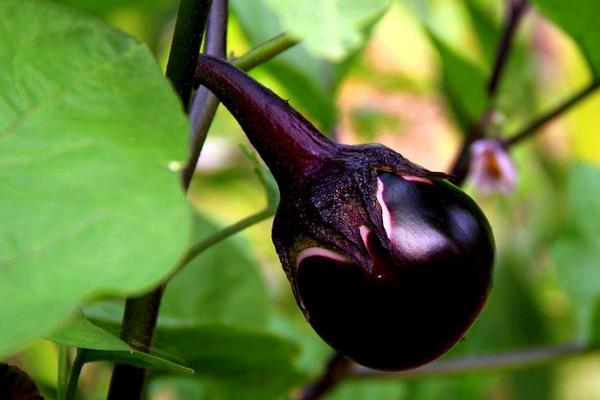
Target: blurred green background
412, 78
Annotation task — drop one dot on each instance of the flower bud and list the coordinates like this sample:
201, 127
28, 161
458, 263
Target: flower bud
492, 169
389, 263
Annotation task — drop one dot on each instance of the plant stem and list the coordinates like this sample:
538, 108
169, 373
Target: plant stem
215, 43
205, 104
219, 236
337, 369
460, 167
500, 362
516, 10
139, 321
141, 313
189, 28
204, 108
63, 371
285, 140
265, 51
74, 375
535, 125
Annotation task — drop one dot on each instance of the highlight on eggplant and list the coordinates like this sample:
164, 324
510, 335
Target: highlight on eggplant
390, 263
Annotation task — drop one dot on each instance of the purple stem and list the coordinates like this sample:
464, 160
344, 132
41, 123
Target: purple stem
515, 11
288, 143
460, 168
205, 104
337, 369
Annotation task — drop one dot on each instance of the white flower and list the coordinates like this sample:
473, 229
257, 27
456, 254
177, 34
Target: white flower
492, 169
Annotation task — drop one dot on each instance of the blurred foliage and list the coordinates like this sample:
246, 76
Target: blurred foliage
233, 363
368, 390
330, 28
222, 285
577, 249
230, 315
579, 22
463, 82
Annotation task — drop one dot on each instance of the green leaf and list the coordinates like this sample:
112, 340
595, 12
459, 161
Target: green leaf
88, 126
580, 21
234, 363
79, 332
577, 251
330, 28
464, 84
224, 284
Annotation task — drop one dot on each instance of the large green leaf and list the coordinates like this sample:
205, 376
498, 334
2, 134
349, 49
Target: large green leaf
580, 20
88, 126
102, 345
330, 28
576, 252
233, 363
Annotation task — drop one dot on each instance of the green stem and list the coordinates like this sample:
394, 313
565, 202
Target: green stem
189, 28
501, 362
141, 313
63, 371
205, 104
219, 236
265, 51
74, 375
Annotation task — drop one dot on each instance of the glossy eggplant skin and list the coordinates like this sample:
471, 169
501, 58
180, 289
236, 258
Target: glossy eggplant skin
416, 301
388, 262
